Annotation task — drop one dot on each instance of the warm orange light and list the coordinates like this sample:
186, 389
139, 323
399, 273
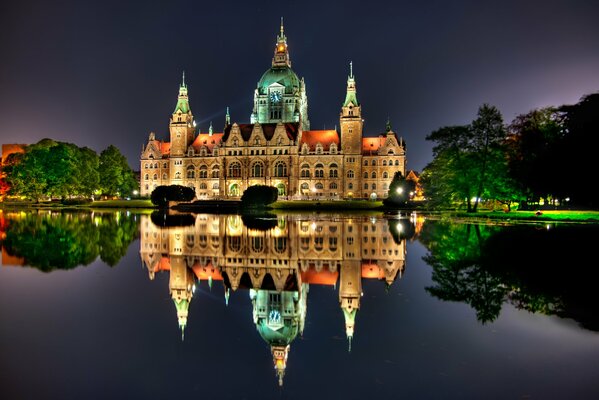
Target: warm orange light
281, 48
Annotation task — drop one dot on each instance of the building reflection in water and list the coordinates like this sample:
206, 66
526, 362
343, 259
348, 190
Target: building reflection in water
277, 260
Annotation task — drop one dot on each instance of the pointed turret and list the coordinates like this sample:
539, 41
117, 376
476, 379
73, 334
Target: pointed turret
281, 57
181, 288
227, 118
181, 125
351, 118
350, 95
350, 291
279, 357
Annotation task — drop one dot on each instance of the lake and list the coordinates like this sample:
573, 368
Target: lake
295, 305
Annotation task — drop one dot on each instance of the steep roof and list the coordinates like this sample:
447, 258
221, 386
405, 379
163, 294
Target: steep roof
324, 137
292, 129
205, 139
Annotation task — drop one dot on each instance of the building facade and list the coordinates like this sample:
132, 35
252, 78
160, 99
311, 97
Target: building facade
277, 148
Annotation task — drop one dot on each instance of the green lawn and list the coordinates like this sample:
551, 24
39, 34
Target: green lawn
546, 215
121, 204
335, 205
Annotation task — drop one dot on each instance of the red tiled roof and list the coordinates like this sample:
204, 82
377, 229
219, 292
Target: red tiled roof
372, 144
324, 277
325, 138
205, 139
165, 148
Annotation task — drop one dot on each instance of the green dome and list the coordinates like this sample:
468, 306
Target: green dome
281, 75
282, 336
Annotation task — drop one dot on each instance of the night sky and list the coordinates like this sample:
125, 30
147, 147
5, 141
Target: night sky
108, 72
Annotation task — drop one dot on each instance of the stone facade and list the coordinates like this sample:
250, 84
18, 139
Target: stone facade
277, 148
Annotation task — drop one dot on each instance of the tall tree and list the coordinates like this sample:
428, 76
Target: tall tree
450, 177
488, 137
116, 177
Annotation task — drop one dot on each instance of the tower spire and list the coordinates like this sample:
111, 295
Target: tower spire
183, 81
281, 58
227, 117
351, 70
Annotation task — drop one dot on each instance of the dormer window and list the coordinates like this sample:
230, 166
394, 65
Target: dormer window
318, 148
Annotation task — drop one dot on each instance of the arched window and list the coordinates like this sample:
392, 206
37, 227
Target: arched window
215, 171
235, 170
191, 174
333, 148
215, 185
333, 185
350, 173
365, 174
390, 162
350, 186
305, 171
318, 148
257, 170
373, 175
146, 165
365, 163
373, 186
164, 177
305, 186
385, 175
203, 171
305, 148
365, 186
373, 162
390, 151
203, 186
384, 163
155, 165
147, 176
396, 162
155, 177
319, 186
319, 171
177, 175
333, 173
280, 169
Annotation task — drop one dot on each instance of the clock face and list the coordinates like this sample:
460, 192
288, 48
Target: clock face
274, 317
275, 97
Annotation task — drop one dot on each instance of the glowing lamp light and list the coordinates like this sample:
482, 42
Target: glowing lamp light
399, 190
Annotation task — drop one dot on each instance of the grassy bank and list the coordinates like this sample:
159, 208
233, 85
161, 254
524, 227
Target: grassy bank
545, 215
327, 205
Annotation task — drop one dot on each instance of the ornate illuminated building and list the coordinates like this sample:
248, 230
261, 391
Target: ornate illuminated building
277, 265
276, 148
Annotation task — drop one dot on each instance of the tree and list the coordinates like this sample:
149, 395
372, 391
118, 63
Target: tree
465, 161
533, 145
399, 190
116, 177
488, 137
259, 196
450, 177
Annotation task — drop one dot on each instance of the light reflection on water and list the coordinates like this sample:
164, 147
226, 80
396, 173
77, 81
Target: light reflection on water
329, 295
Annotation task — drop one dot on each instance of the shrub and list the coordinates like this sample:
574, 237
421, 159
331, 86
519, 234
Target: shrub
259, 196
163, 194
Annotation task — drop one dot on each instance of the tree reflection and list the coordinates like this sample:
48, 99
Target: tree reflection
487, 266
56, 240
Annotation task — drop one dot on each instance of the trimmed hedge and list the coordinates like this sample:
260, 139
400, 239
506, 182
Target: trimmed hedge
259, 196
163, 194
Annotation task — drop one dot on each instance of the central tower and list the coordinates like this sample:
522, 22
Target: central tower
280, 95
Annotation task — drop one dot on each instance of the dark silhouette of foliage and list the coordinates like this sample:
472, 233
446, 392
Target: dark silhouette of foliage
260, 222
259, 196
163, 194
399, 191
116, 177
164, 219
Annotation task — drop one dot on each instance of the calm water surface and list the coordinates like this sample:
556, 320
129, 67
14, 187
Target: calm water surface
289, 306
